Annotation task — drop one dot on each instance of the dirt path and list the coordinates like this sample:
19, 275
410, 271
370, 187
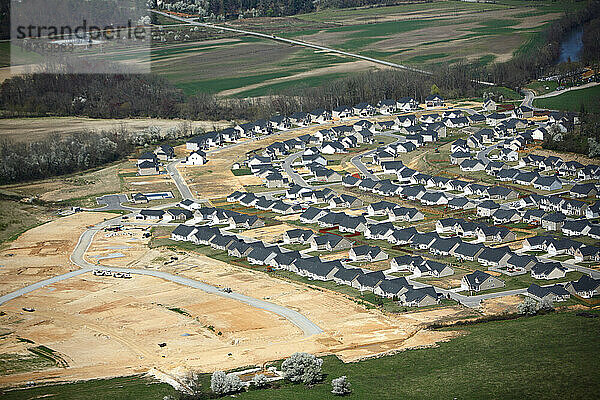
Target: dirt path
342, 68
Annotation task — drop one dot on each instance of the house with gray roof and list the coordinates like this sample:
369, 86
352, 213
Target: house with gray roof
367, 253
554, 293
183, 232
345, 276
421, 297
368, 281
329, 242
392, 288
585, 287
478, 280
548, 270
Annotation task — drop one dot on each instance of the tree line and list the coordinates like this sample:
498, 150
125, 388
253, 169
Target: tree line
64, 154
542, 53
121, 96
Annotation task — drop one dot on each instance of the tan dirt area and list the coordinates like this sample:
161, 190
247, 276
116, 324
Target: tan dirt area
501, 304
566, 156
269, 234
354, 66
44, 251
105, 180
103, 326
31, 129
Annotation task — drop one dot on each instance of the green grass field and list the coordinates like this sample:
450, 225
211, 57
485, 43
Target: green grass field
572, 101
549, 356
425, 34
125, 388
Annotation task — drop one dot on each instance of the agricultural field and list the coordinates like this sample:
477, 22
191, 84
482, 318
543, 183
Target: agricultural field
439, 32
199, 60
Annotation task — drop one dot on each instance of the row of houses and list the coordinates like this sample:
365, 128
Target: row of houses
585, 287
413, 191
328, 196
555, 203
234, 219
484, 233
491, 257
551, 163
419, 266
169, 215
559, 246
263, 203
259, 253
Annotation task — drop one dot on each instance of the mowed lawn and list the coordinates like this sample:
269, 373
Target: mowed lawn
572, 101
550, 356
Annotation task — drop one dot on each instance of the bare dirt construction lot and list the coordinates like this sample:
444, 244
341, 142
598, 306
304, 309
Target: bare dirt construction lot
43, 251
104, 326
269, 234
501, 304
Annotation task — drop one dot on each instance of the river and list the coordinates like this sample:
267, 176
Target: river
570, 48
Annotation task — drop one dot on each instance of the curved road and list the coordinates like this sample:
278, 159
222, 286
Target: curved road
530, 96
181, 184
357, 162
294, 176
77, 257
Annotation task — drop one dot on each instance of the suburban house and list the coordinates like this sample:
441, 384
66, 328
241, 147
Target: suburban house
153, 215
548, 270
164, 152
478, 280
489, 105
367, 253
197, 157
554, 293
368, 281
147, 168
329, 242
183, 232
433, 101
585, 287
425, 296
297, 236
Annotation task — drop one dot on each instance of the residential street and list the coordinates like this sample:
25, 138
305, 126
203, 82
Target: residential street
77, 257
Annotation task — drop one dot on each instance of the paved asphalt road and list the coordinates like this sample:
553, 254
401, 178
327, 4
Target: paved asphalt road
181, 184
362, 168
77, 257
357, 160
113, 202
530, 96
287, 167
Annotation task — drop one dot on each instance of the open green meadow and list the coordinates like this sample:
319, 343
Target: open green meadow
547, 356
573, 100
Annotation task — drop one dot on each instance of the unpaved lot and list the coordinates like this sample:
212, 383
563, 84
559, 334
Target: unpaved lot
104, 326
215, 179
43, 251
32, 129
94, 183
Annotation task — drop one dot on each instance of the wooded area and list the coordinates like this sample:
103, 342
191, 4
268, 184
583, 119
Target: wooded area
64, 154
